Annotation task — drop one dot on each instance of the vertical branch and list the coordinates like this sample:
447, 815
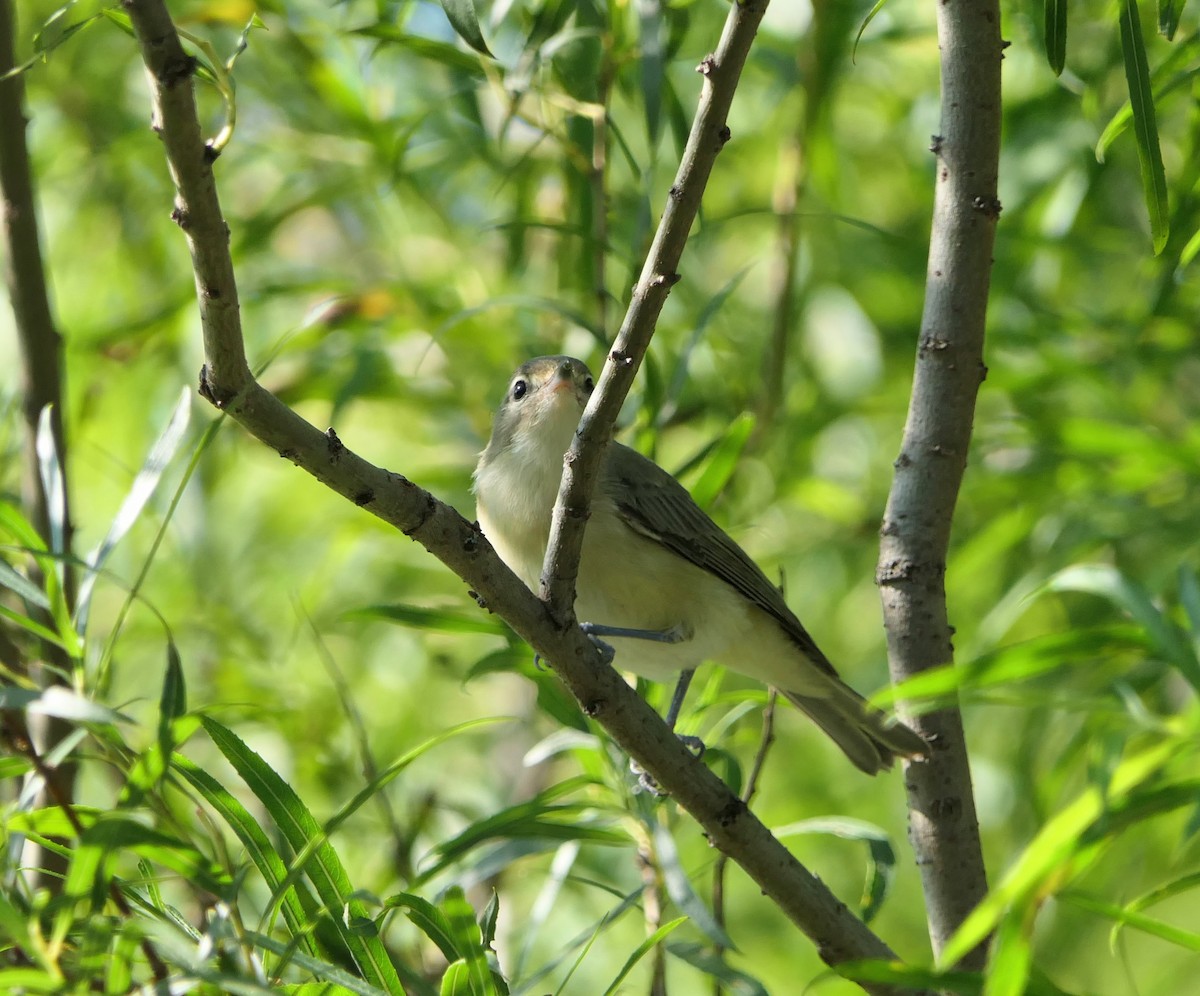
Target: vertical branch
38, 338
916, 527
40, 349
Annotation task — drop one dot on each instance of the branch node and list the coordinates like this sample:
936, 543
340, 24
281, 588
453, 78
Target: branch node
723, 136
893, 571
935, 144
336, 446
989, 207
593, 707
211, 153
365, 497
707, 65
181, 218
932, 344
210, 392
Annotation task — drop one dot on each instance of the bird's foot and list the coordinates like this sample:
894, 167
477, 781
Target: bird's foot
606, 650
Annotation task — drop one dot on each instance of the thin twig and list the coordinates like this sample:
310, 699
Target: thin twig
933, 455
632, 724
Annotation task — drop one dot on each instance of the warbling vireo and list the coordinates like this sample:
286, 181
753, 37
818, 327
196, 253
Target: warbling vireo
658, 578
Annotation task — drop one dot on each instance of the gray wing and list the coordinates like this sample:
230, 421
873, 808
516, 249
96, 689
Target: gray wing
657, 506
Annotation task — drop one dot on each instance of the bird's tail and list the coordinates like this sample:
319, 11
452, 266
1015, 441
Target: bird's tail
866, 736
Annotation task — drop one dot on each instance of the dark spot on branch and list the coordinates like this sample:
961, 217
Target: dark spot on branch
479, 600
430, 510
333, 444
470, 543
620, 358
724, 135
178, 71
983, 372
675, 191
181, 218
707, 65
945, 809
593, 707
212, 293
945, 174
211, 153
903, 460
288, 454
364, 497
935, 144
728, 816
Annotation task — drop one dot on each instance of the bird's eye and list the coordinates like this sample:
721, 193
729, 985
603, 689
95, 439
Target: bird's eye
518, 390
588, 384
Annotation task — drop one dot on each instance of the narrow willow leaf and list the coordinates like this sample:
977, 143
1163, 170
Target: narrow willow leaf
144, 485
1168, 18
1123, 916
679, 888
258, 846
466, 24
641, 951
1055, 845
723, 461
1145, 123
650, 32
323, 868
430, 920
1056, 35
468, 940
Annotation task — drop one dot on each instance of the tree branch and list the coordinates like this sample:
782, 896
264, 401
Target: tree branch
933, 455
40, 350
581, 467
633, 725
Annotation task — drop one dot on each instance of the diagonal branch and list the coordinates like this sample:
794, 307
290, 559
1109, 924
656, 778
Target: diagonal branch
933, 455
581, 467
633, 725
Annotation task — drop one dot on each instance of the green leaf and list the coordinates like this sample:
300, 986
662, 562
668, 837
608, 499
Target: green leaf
430, 920
90, 865
1109, 583
1168, 17
679, 888
1124, 916
1056, 35
426, 48
142, 489
723, 461
258, 846
881, 866
1145, 123
1062, 838
323, 867
440, 620
641, 951
60, 702
463, 19
468, 940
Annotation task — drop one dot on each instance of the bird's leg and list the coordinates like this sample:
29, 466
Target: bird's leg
676, 634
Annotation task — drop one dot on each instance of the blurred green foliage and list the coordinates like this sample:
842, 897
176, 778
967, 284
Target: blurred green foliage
409, 220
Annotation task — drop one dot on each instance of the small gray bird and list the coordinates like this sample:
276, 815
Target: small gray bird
658, 578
